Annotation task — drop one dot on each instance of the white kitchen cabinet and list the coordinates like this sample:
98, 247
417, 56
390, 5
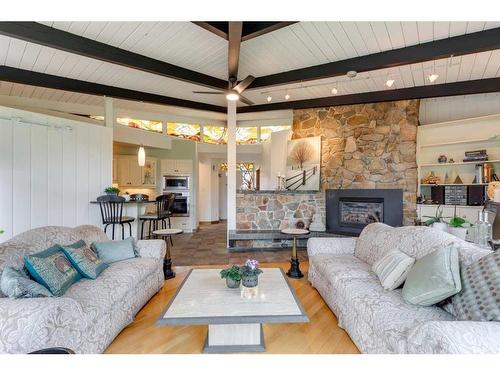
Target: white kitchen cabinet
115, 170
148, 173
130, 174
176, 167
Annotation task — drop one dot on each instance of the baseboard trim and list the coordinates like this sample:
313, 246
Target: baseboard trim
210, 222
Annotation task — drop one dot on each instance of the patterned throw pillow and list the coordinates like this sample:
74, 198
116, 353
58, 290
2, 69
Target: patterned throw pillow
52, 269
83, 258
392, 269
480, 295
17, 284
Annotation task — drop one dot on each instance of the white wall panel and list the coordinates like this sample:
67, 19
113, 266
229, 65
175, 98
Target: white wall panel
50, 170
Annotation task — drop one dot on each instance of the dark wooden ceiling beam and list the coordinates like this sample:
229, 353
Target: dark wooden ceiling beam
459, 45
262, 28
209, 27
51, 37
32, 78
234, 35
478, 86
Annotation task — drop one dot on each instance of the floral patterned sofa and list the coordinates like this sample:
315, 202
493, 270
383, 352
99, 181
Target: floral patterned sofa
380, 321
92, 312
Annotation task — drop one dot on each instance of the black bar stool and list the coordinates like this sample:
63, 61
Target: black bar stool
112, 214
163, 205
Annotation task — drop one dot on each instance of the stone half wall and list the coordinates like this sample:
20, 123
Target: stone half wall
366, 146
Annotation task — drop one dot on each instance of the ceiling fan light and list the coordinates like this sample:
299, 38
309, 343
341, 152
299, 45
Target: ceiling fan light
269, 98
433, 77
335, 91
232, 96
389, 82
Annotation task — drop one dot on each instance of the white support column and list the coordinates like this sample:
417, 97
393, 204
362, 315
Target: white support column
231, 165
109, 112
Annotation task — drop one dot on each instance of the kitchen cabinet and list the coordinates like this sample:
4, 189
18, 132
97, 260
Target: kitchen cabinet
115, 170
130, 174
176, 167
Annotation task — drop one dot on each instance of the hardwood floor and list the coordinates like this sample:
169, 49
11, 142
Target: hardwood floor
320, 335
208, 246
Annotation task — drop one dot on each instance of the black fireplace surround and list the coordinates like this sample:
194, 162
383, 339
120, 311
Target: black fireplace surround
348, 211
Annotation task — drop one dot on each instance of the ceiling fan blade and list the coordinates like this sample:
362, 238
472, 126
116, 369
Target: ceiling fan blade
240, 87
245, 100
207, 92
234, 37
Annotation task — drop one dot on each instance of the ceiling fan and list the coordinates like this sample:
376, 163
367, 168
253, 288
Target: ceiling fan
234, 89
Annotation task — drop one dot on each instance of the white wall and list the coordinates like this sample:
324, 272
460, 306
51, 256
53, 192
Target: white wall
208, 190
273, 159
50, 169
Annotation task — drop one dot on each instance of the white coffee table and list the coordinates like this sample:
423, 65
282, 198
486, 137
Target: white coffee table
234, 322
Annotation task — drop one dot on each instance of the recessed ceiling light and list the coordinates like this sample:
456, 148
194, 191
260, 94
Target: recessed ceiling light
232, 96
335, 91
389, 82
269, 98
433, 77
287, 96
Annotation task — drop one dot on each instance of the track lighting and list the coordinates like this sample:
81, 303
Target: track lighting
269, 98
335, 91
287, 96
389, 82
433, 77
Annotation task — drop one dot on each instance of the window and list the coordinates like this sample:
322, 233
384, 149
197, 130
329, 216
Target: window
150, 125
265, 131
215, 134
247, 174
246, 135
186, 131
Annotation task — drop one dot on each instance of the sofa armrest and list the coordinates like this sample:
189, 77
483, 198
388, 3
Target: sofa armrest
455, 337
151, 248
30, 324
331, 245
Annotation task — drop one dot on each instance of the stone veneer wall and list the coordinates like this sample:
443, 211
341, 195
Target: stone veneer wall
366, 146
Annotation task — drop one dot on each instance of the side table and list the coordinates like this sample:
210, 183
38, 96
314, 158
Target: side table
294, 271
167, 234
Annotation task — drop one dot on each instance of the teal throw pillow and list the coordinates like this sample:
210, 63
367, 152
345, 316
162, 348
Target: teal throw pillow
84, 259
433, 278
16, 283
52, 269
115, 251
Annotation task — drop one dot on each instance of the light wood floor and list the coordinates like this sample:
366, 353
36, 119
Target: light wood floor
320, 335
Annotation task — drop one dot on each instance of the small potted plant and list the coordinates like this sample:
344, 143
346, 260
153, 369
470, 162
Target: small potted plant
437, 221
232, 276
458, 226
112, 190
250, 273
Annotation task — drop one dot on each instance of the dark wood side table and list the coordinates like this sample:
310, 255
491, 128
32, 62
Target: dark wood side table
167, 234
294, 271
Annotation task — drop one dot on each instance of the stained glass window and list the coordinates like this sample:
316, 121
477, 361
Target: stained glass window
246, 135
186, 131
265, 131
214, 134
151, 125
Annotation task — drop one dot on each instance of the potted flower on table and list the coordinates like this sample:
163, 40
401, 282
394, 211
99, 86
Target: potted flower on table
250, 273
232, 276
458, 226
437, 221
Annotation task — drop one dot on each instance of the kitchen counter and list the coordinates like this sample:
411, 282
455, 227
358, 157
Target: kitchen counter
128, 202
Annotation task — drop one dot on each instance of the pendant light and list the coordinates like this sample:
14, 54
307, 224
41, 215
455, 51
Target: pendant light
141, 156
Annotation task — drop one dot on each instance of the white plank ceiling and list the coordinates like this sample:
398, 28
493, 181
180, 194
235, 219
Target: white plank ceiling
299, 45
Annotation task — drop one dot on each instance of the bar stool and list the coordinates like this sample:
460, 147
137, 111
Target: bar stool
112, 214
294, 271
163, 204
167, 234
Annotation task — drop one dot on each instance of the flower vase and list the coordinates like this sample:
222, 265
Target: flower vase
232, 284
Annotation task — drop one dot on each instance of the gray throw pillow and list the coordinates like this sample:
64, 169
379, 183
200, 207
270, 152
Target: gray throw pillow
433, 278
115, 251
17, 284
479, 298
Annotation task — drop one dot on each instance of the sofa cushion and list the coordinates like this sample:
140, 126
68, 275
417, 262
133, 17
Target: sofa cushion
433, 278
393, 268
386, 312
115, 251
370, 245
336, 267
83, 258
479, 298
52, 269
17, 284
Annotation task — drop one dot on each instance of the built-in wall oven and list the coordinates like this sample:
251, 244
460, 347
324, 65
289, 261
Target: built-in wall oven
180, 207
175, 183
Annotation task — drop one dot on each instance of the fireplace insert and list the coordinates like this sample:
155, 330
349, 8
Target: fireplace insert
348, 211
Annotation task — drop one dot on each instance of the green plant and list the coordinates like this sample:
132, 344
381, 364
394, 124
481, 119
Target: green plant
458, 222
233, 273
437, 218
112, 189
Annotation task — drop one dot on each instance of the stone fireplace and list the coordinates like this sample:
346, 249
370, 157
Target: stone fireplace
348, 211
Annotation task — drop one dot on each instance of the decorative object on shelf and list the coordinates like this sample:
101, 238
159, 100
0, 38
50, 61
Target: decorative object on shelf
111, 190
431, 179
458, 226
300, 225
458, 180
487, 173
478, 155
232, 276
447, 178
437, 221
492, 191
451, 161
442, 159
281, 182
455, 195
141, 156
478, 174
482, 230
317, 224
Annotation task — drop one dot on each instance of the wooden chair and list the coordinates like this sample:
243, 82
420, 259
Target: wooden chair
163, 205
112, 214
